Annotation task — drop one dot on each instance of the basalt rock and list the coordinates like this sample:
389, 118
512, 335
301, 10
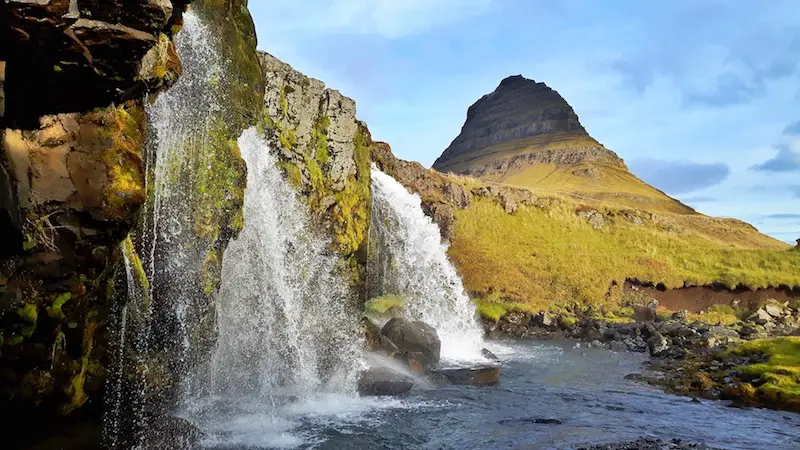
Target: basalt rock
383, 381
72, 184
418, 342
69, 56
324, 151
77, 183
487, 375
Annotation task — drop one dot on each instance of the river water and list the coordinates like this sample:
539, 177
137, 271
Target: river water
584, 389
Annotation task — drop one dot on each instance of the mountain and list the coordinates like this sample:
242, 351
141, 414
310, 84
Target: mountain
526, 134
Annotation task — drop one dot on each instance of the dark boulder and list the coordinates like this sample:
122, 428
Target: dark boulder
487, 375
417, 340
486, 353
383, 381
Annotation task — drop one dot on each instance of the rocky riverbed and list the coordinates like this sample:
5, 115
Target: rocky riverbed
690, 354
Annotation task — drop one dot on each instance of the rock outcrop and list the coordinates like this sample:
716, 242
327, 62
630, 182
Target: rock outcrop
67, 56
325, 152
525, 134
72, 183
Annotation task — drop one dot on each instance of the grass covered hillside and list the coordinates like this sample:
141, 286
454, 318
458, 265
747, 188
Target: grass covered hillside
558, 252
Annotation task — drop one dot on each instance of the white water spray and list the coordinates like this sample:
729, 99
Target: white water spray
181, 119
286, 333
411, 260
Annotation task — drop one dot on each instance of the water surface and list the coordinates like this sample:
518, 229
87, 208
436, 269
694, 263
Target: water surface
585, 389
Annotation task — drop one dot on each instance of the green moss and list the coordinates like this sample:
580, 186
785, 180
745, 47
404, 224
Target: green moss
719, 314
29, 314
293, 173
211, 272
219, 186
287, 138
136, 264
781, 371
123, 126
320, 139
380, 305
490, 310
54, 310
76, 388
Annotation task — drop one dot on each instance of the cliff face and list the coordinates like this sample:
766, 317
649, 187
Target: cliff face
72, 181
525, 134
66, 56
325, 152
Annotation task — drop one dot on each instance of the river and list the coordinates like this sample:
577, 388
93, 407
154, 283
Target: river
583, 389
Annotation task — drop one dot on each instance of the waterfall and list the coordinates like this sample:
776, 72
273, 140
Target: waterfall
410, 259
285, 331
181, 119
126, 420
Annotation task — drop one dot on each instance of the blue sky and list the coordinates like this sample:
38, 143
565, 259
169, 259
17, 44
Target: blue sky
701, 98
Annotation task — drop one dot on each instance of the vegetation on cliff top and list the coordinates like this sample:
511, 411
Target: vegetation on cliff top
548, 257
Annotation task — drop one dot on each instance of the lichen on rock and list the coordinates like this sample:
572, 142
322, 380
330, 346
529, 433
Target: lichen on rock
325, 152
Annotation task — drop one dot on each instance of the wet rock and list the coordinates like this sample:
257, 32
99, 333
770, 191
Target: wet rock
528, 420
416, 338
383, 381
657, 344
647, 443
443, 215
543, 319
487, 375
618, 346
489, 355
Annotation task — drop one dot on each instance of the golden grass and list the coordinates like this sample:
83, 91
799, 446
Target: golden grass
544, 258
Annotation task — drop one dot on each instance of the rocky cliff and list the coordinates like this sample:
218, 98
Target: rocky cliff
67, 56
73, 182
325, 152
525, 134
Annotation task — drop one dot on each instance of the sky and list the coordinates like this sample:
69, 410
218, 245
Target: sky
700, 98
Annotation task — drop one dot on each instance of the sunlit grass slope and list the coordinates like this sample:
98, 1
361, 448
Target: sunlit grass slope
549, 256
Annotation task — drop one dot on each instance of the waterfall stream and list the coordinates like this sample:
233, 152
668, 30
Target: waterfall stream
285, 334
410, 260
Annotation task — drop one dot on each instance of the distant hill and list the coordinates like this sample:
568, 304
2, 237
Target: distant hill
525, 134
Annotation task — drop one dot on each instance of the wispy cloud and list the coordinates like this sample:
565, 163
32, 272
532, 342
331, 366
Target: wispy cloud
676, 177
386, 18
788, 157
783, 216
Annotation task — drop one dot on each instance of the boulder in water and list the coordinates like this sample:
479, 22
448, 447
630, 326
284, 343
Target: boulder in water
418, 341
486, 353
383, 381
487, 375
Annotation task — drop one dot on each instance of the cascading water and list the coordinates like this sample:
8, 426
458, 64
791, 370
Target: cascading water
181, 118
410, 260
285, 334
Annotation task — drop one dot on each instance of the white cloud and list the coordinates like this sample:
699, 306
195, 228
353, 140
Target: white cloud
386, 18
